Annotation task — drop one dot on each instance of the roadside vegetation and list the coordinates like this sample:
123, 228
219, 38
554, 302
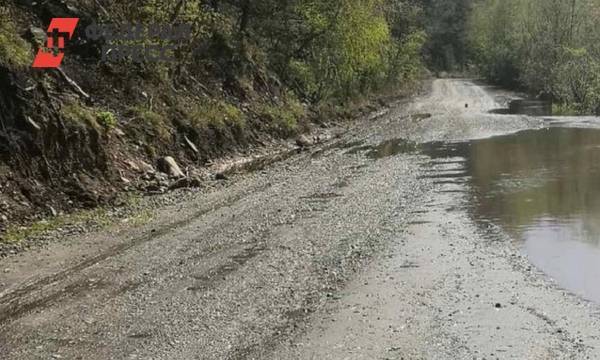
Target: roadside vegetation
549, 47
247, 72
320, 50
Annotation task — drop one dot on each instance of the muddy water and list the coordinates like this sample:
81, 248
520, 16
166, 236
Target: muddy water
543, 188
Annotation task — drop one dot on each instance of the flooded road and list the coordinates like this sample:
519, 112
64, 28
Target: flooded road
427, 233
498, 253
543, 188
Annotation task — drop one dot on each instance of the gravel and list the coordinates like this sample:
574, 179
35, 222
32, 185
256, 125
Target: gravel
327, 254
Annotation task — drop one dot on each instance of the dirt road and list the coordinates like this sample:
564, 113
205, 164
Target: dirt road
362, 248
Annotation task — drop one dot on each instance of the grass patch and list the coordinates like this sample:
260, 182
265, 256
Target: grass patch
107, 119
217, 113
79, 115
155, 122
99, 218
283, 117
15, 235
15, 52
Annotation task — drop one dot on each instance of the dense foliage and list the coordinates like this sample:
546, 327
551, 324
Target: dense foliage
446, 26
550, 47
320, 49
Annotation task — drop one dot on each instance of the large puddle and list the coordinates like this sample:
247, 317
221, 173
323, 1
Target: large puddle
543, 188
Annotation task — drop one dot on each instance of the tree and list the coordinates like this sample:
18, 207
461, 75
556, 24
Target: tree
548, 47
446, 26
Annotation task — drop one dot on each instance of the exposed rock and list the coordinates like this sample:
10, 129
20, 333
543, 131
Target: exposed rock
322, 138
146, 168
83, 189
304, 141
169, 166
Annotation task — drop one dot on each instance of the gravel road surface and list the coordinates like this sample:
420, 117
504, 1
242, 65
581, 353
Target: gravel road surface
360, 248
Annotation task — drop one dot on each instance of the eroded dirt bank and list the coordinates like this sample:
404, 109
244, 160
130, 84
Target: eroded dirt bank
266, 267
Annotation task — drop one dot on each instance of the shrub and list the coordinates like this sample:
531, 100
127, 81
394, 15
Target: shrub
107, 119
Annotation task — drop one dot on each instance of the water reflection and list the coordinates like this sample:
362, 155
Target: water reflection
391, 148
542, 186
526, 107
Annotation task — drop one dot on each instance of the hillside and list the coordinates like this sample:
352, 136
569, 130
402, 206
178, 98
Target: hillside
238, 75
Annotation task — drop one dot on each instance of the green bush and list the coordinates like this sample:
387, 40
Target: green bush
107, 119
547, 47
